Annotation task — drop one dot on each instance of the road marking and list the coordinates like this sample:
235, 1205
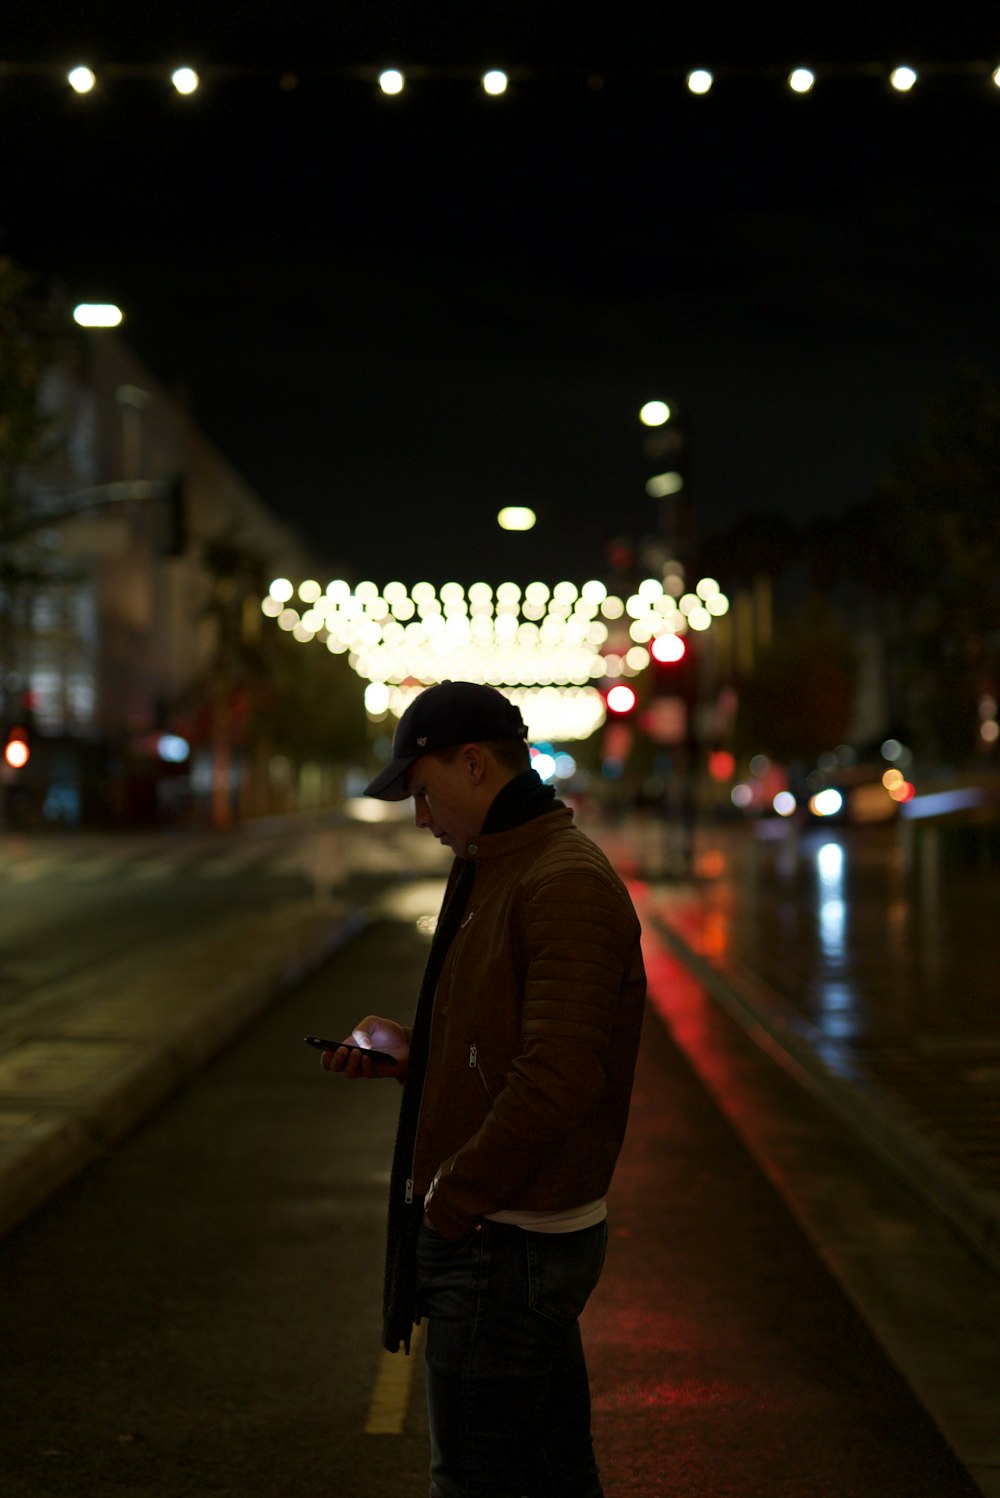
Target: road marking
391, 1395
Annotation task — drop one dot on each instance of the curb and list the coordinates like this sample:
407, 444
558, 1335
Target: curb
972, 1210
48, 1136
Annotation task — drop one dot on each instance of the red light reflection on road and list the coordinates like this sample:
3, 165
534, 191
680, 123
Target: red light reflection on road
715, 934
705, 928
664, 1394
678, 998
711, 864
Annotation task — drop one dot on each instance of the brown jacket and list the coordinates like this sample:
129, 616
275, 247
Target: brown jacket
536, 1024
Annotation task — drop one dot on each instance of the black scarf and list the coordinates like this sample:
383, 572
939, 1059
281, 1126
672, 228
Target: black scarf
521, 799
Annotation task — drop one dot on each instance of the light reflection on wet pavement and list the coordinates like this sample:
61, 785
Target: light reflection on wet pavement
885, 952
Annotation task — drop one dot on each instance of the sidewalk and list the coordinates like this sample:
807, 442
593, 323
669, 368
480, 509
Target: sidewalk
109, 1046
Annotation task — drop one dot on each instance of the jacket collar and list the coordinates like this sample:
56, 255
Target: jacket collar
523, 798
496, 844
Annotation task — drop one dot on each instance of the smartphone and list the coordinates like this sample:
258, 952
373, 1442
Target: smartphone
347, 1045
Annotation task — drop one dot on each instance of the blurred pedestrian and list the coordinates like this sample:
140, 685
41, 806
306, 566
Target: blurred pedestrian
517, 1073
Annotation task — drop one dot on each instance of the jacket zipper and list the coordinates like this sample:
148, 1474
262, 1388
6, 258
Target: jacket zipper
474, 1066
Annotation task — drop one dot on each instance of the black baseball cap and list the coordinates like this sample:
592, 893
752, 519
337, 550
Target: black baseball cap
453, 712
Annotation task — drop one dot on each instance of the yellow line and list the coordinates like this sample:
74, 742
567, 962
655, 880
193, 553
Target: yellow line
391, 1395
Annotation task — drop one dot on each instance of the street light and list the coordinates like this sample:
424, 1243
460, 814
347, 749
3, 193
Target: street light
97, 315
654, 414
516, 518
662, 485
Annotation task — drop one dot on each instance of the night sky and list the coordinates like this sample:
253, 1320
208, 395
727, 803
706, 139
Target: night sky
396, 315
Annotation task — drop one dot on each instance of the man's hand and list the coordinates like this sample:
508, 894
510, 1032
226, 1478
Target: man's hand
376, 1034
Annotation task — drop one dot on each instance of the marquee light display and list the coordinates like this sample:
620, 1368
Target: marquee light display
546, 647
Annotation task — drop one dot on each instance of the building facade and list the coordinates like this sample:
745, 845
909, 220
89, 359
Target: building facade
133, 560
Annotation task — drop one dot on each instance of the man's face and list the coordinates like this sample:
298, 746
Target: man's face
445, 800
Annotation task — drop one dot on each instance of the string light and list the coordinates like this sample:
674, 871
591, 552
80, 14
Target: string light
185, 80
495, 81
547, 647
801, 80
81, 79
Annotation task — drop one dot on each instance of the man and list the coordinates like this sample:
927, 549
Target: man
517, 1076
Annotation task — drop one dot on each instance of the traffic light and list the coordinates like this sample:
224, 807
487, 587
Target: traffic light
667, 716
667, 649
17, 750
621, 699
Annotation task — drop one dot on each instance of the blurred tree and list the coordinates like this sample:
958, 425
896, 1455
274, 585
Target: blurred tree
917, 561
933, 537
755, 545
262, 692
799, 701
23, 360
315, 705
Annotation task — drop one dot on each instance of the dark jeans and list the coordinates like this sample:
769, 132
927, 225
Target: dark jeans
507, 1386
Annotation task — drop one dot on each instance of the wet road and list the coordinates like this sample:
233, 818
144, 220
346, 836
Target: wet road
198, 1314
110, 894
884, 951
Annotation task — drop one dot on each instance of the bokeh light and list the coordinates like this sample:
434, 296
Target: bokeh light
185, 80
495, 82
81, 79
549, 648
97, 315
516, 518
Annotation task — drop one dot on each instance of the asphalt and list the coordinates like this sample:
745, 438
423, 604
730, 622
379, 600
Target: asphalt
111, 1048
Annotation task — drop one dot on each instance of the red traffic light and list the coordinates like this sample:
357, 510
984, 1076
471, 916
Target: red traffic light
667, 649
16, 751
621, 699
